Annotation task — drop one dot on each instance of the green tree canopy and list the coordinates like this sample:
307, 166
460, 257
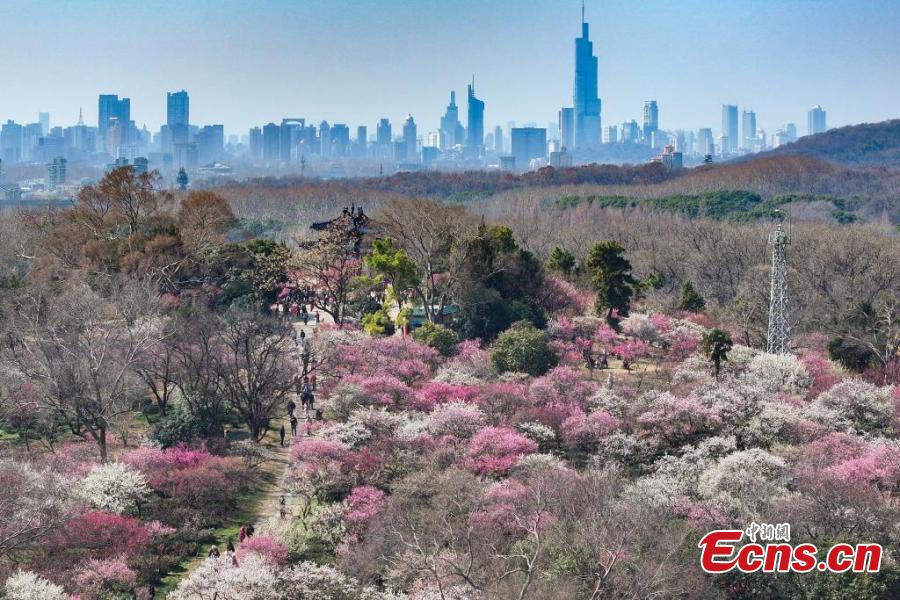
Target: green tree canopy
610, 274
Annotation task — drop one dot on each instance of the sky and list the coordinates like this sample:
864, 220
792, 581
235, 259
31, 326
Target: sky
245, 63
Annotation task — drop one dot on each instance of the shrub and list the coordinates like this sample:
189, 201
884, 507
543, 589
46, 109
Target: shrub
378, 323
436, 336
523, 348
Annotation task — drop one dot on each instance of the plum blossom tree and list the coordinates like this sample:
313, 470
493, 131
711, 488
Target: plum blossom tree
855, 405
495, 450
25, 585
253, 579
363, 504
115, 487
456, 419
267, 547
34, 503
745, 482
96, 578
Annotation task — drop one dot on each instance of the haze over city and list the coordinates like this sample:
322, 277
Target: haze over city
245, 64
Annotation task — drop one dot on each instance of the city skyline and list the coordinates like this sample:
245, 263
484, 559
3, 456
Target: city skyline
517, 86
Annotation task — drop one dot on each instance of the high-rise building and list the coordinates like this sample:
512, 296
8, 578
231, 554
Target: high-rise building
325, 139
528, 143
44, 120
791, 131
729, 128
610, 134
178, 106
706, 143
409, 139
256, 143
271, 142
362, 140
498, 139
383, 133
651, 121
292, 130
210, 142
630, 132
56, 173
586, 99
475, 130
11, 141
340, 139
815, 120
567, 127
452, 131
748, 129
109, 108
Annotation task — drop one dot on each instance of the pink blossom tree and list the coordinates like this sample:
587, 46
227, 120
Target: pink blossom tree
495, 450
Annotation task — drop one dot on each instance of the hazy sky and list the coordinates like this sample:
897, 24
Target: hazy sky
248, 62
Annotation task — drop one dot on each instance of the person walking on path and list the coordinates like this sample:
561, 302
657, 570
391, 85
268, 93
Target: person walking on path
242, 534
306, 397
293, 425
281, 435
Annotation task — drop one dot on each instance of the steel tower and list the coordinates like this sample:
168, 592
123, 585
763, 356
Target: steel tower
779, 330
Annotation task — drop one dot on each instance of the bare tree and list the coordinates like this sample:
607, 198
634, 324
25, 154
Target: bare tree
79, 350
254, 368
431, 233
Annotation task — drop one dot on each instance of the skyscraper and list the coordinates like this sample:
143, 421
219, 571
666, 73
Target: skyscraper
651, 121
475, 131
409, 139
567, 127
109, 107
178, 117
748, 129
451, 129
271, 142
383, 133
586, 100
815, 120
528, 143
44, 120
256, 143
729, 128
706, 144
498, 139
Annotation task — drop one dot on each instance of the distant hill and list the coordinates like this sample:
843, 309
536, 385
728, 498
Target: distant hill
855, 145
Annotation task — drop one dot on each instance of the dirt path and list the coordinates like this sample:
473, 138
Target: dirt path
271, 507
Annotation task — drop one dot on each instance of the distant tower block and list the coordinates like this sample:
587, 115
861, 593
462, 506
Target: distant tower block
779, 330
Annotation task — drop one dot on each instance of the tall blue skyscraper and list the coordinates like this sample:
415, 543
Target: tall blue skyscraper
452, 132
110, 107
475, 133
729, 128
587, 102
178, 117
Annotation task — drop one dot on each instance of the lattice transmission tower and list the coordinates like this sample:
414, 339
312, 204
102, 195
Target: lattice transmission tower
779, 330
